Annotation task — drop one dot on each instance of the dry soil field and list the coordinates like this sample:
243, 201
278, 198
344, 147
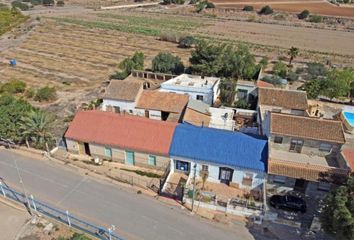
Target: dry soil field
320, 7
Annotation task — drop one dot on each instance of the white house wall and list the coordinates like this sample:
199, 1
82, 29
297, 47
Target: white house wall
123, 105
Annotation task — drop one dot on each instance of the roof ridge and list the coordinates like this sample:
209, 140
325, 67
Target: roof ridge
305, 117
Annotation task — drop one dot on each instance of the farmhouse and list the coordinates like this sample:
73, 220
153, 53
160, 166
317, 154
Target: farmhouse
229, 158
126, 139
279, 100
304, 152
163, 106
205, 89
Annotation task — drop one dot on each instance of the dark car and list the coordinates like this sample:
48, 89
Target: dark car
288, 202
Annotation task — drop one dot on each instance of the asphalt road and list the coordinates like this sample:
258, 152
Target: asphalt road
135, 216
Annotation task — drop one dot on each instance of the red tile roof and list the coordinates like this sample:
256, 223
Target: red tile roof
348, 154
261, 83
122, 131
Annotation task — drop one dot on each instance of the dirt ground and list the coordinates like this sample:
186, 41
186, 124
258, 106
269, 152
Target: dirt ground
12, 220
315, 7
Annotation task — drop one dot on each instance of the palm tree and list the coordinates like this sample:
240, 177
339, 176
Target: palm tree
37, 127
293, 52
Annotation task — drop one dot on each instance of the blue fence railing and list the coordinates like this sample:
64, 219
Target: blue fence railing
60, 215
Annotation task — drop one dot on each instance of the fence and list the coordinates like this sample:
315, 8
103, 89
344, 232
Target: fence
63, 216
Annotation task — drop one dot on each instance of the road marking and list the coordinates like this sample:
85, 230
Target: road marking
71, 191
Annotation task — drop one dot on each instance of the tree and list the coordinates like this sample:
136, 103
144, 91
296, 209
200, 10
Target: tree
11, 111
304, 14
37, 126
204, 175
280, 69
227, 91
264, 62
136, 62
315, 70
165, 62
248, 8
313, 88
339, 83
266, 10
337, 217
293, 52
206, 59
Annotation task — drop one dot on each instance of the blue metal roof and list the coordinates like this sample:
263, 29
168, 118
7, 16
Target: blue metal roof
220, 147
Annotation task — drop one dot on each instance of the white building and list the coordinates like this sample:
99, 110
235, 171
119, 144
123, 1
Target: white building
205, 89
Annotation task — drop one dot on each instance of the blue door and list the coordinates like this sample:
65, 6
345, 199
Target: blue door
129, 158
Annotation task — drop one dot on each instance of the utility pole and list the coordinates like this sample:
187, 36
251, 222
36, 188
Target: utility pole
28, 205
194, 173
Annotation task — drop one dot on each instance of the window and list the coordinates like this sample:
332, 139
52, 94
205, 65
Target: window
279, 179
242, 94
152, 160
129, 158
205, 168
182, 166
325, 147
247, 179
116, 109
278, 140
130, 111
200, 97
108, 152
296, 145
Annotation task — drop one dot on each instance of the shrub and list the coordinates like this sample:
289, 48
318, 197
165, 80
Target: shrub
169, 37
292, 76
119, 75
280, 17
266, 10
242, 103
46, 94
316, 19
60, 3
304, 14
13, 87
280, 69
30, 93
48, 2
36, 2
187, 42
248, 8
193, 1
315, 70
200, 6
210, 5
165, 62
20, 5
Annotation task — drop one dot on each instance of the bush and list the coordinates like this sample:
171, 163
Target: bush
248, 8
48, 2
264, 62
315, 70
316, 19
46, 94
36, 2
13, 87
165, 62
280, 69
119, 75
187, 42
210, 5
304, 14
242, 103
60, 3
169, 37
266, 10
200, 6
30, 93
20, 5
292, 76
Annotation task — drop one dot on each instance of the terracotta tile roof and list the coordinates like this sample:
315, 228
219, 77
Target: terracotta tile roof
196, 118
307, 127
126, 90
291, 99
302, 171
122, 131
162, 101
264, 84
348, 154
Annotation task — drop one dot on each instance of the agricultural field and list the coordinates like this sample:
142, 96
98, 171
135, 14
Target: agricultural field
9, 19
320, 7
